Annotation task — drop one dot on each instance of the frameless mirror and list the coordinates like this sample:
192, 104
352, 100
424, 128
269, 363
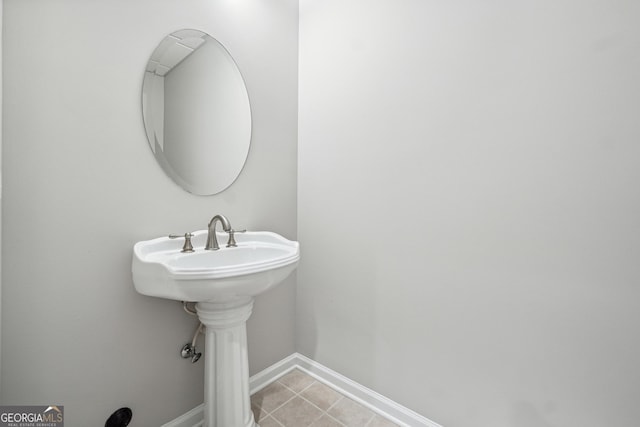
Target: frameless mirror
196, 112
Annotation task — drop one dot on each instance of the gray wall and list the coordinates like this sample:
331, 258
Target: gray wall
81, 187
469, 209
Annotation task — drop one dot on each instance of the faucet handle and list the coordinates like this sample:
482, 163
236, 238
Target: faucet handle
232, 240
188, 247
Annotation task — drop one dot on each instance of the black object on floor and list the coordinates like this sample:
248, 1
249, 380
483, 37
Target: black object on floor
120, 418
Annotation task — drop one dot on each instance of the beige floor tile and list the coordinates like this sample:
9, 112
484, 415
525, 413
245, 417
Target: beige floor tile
351, 413
271, 397
321, 395
269, 422
296, 380
326, 421
258, 413
379, 421
298, 400
297, 413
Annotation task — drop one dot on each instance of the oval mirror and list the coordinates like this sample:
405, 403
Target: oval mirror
196, 112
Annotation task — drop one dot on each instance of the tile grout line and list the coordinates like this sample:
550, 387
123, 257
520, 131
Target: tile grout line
276, 421
299, 394
342, 397
371, 420
295, 394
322, 411
335, 419
269, 414
278, 407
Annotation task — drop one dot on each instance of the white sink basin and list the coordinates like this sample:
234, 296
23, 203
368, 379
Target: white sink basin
260, 261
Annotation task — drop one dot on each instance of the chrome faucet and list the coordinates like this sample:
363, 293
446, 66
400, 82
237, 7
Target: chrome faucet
212, 241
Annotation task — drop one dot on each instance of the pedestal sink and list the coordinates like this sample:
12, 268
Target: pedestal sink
224, 283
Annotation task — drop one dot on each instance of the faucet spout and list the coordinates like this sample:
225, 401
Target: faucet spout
212, 240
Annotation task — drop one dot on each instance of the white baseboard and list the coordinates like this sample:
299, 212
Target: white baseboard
366, 397
268, 375
361, 394
193, 418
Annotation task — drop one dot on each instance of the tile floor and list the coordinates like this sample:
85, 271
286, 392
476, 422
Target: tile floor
298, 400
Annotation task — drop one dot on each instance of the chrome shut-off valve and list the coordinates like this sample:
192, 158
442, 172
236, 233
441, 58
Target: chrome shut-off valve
190, 351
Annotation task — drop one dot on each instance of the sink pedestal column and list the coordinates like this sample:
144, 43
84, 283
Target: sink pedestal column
226, 369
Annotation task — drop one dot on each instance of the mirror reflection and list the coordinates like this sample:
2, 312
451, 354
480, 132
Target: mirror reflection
196, 112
